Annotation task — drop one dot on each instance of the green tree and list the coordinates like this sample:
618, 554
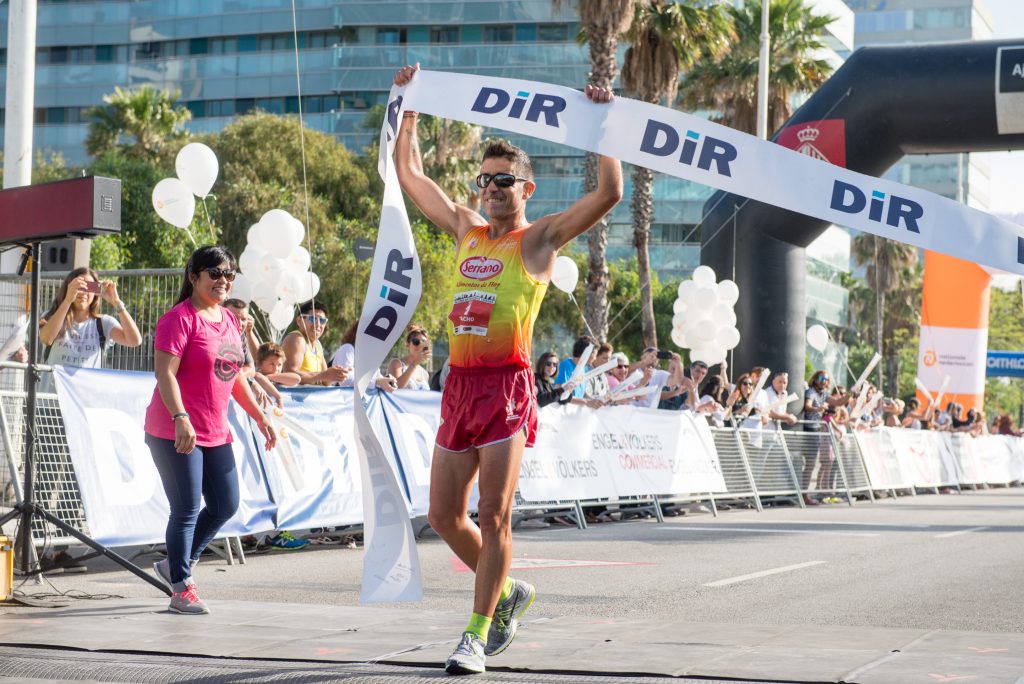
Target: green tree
146, 119
894, 277
728, 86
1005, 332
665, 37
601, 24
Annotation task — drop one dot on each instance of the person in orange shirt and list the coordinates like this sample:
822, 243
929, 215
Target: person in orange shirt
488, 409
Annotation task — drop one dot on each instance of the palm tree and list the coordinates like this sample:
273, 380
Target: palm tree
728, 86
148, 116
891, 273
601, 24
666, 36
449, 151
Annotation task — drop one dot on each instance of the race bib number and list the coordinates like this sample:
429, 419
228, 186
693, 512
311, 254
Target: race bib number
471, 312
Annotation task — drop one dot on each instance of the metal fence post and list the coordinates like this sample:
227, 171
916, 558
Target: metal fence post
842, 469
792, 470
746, 468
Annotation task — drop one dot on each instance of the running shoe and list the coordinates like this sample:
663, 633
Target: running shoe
286, 541
188, 602
468, 657
506, 617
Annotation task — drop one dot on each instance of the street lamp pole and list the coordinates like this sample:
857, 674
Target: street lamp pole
762, 74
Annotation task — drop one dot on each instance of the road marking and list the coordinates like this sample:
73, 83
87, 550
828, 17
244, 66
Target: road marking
853, 524
957, 533
761, 530
951, 678
551, 564
763, 573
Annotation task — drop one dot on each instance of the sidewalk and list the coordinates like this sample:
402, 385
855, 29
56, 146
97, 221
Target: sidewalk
295, 633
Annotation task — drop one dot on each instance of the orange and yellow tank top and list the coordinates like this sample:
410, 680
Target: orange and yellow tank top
495, 303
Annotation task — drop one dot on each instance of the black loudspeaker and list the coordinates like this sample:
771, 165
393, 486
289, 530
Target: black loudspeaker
65, 255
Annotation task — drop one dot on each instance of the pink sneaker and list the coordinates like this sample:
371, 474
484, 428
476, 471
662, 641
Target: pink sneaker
188, 602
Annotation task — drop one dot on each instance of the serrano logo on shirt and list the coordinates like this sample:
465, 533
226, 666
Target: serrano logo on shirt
480, 268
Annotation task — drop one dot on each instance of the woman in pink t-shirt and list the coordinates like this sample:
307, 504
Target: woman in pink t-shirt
198, 357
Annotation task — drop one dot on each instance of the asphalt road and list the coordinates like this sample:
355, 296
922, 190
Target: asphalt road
932, 561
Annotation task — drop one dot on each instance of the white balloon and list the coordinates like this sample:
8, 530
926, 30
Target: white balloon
688, 295
817, 337
723, 315
678, 320
289, 287
174, 202
197, 167
277, 232
241, 288
252, 236
714, 355
728, 292
702, 335
281, 315
678, 306
270, 269
700, 354
298, 231
298, 259
727, 338
705, 299
695, 318
678, 339
565, 274
250, 259
309, 285
686, 286
263, 295
704, 275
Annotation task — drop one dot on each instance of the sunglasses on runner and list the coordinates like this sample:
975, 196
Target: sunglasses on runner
217, 273
322, 320
501, 180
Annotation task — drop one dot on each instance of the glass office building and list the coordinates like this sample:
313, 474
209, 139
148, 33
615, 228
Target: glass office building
228, 57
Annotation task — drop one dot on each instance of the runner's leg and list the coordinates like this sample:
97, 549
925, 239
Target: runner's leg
499, 476
451, 481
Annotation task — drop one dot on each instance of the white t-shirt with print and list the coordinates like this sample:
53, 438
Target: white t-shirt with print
80, 344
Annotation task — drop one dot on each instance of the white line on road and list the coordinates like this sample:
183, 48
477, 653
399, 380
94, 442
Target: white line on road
763, 573
957, 533
760, 530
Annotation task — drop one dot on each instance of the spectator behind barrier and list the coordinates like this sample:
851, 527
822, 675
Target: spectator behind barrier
567, 366
304, 353
270, 363
544, 374
1004, 426
775, 398
262, 388
407, 370
345, 358
617, 374
741, 406
597, 387
677, 386
73, 329
915, 418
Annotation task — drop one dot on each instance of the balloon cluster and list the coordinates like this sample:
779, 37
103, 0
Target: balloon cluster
704, 320
174, 199
276, 267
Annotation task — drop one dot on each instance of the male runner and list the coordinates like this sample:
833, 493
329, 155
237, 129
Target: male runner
489, 410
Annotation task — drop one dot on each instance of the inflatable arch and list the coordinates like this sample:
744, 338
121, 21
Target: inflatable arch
882, 104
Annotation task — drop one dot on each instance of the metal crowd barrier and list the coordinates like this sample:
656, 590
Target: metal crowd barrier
759, 467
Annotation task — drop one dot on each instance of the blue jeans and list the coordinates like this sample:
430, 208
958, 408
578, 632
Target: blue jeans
208, 472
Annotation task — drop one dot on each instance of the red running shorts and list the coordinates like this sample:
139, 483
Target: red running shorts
484, 406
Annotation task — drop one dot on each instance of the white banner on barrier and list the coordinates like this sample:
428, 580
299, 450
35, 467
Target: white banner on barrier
687, 146
619, 451
321, 486
104, 412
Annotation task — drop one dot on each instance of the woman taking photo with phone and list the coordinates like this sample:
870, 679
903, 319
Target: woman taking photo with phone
407, 370
198, 355
74, 330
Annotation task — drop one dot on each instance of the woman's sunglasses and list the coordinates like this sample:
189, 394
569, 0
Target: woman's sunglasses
227, 274
746, 383
322, 320
418, 341
501, 180
551, 363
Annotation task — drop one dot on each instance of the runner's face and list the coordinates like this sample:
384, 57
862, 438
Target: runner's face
503, 202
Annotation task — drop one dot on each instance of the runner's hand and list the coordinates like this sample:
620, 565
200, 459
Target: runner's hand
184, 436
599, 95
405, 74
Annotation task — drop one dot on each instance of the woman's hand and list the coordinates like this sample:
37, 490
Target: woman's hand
108, 291
405, 74
268, 433
74, 287
184, 435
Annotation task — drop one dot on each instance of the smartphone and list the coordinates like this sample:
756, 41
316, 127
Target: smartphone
92, 286
664, 355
